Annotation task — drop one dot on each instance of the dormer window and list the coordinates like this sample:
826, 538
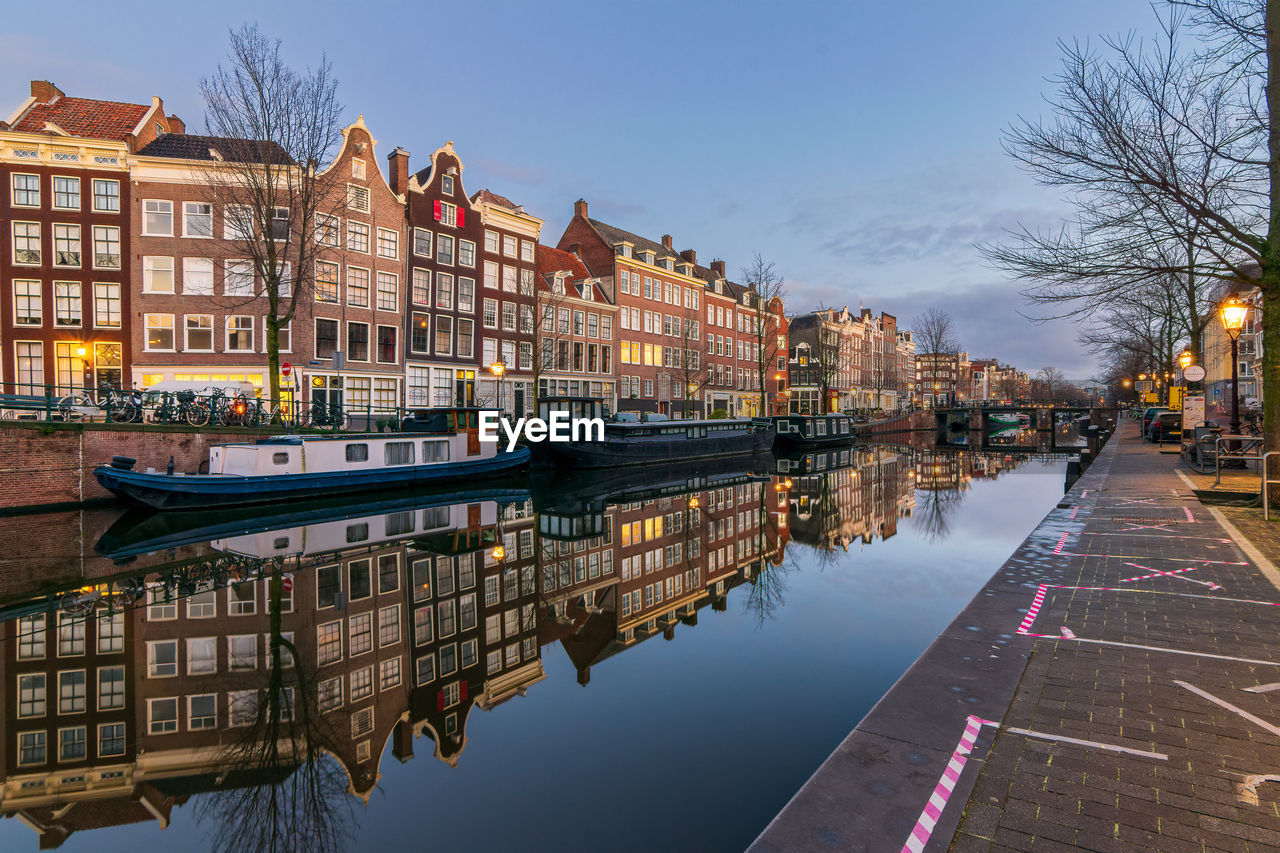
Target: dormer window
717, 287
557, 286
666, 264
446, 184
586, 291
624, 250
685, 269
647, 257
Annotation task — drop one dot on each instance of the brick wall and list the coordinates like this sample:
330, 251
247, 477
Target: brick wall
42, 464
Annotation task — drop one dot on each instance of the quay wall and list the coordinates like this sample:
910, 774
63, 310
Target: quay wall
923, 419
46, 466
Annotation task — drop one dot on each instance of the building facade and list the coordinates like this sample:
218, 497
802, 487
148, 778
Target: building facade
574, 324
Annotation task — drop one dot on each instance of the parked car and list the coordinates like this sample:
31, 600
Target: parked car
1165, 426
1147, 415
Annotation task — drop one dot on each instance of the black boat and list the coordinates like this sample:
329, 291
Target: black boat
812, 430
629, 440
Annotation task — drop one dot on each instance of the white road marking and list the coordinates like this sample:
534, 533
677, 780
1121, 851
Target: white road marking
1177, 651
1263, 724
1264, 688
1092, 744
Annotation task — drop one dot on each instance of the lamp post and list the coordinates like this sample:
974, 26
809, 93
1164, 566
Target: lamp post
497, 369
690, 389
1233, 314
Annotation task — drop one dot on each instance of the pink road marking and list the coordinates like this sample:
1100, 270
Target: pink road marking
932, 811
1074, 510
1085, 492
1158, 574
1063, 541
1187, 510
1147, 527
1148, 557
1067, 633
1033, 610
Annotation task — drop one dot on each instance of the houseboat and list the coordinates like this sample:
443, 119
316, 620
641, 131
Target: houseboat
630, 440
440, 450
812, 430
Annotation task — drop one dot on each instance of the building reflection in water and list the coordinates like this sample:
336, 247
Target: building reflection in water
259, 667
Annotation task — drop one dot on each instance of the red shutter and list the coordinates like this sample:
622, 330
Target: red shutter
462, 218
439, 693
437, 204
462, 685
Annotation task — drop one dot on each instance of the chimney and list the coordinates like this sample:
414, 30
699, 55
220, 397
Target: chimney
580, 208
45, 92
398, 170
717, 267
176, 125
666, 242
690, 255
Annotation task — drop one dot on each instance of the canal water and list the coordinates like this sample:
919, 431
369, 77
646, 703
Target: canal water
643, 660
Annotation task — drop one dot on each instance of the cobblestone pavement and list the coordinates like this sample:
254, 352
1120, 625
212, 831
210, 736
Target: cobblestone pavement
1148, 715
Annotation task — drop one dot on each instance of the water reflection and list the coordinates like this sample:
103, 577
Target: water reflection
258, 668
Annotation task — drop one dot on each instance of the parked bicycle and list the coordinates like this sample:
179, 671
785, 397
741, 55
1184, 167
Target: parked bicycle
120, 406
116, 595
324, 417
181, 406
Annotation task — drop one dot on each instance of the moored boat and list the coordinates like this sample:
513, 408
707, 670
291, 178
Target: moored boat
656, 439
809, 430
443, 449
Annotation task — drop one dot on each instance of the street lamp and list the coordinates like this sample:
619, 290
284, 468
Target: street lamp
1233, 314
497, 369
691, 388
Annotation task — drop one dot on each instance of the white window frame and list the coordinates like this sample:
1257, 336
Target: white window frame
147, 212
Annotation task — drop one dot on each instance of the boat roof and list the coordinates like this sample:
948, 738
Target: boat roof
337, 436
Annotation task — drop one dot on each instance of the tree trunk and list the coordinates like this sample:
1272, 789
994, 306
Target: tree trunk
273, 357
1270, 274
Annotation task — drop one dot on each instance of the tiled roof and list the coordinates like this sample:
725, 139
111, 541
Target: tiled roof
488, 197
552, 260
186, 146
613, 235
84, 117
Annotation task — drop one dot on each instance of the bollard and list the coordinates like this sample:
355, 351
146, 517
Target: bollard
1091, 434
1086, 458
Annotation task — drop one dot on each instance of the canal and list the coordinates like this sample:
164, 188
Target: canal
647, 660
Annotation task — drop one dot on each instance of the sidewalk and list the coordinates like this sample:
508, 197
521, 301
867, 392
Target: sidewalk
1114, 686
1148, 717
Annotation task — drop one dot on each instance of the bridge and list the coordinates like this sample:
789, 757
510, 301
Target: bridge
999, 426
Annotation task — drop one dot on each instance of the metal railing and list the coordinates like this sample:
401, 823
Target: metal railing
1266, 483
1248, 447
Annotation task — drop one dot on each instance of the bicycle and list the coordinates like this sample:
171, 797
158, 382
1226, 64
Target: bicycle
83, 601
320, 416
120, 407
179, 407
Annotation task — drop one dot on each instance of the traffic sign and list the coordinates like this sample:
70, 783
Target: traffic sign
286, 368
286, 583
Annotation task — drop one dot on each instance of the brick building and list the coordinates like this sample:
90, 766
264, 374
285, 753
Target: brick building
66, 261
574, 324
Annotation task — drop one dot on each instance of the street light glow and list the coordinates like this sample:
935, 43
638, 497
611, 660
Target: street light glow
1233, 314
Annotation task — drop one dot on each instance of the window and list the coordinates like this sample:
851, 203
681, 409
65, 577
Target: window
31, 631
197, 219
388, 291
157, 275
389, 674
490, 316
198, 331
242, 707
465, 337
387, 353
327, 229
357, 237
242, 599
357, 168
491, 275
420, 333
329, 642
358, 341
26, 190
280, 223
110, 633
329, 694
26, 243
66, 303
110, 688
509, 245
360, 578
422, 242
66, 245
509, 316
466, 294
358, 287
71, 692
162, 658
362, 684
446, 184
389, 625
326, 338
240, 333
425, 671
237, 222
491, 241
448, 659
388, 243
197, 276
160, 607
358, 198
31, 695
162, 716
71, 744
157, 218
26, 302
467, 612
242, 651
466, 253
326, 282
66, 193
202, 712
70, 635
422, 626
106, 247
444, 249
110, 740
106, 196
526, 283
444, 335
202, 655
509, 278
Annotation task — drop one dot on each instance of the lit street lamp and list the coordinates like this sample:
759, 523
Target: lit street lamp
1233, 314
497, 369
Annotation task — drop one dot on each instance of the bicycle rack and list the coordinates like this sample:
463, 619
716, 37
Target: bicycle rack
1243, 455
1266, 492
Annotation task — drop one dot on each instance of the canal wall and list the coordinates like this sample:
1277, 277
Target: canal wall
923, 419
909, 748
50, 465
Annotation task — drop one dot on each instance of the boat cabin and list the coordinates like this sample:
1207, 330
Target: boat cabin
814, 427
576, 407
338, 453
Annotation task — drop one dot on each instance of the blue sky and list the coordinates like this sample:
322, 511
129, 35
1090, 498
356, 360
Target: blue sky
855, 144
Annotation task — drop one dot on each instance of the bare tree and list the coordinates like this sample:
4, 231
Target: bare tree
1051, 381
1170, 156
766, 286
936, 336
689, 370
552, 320
279, 127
